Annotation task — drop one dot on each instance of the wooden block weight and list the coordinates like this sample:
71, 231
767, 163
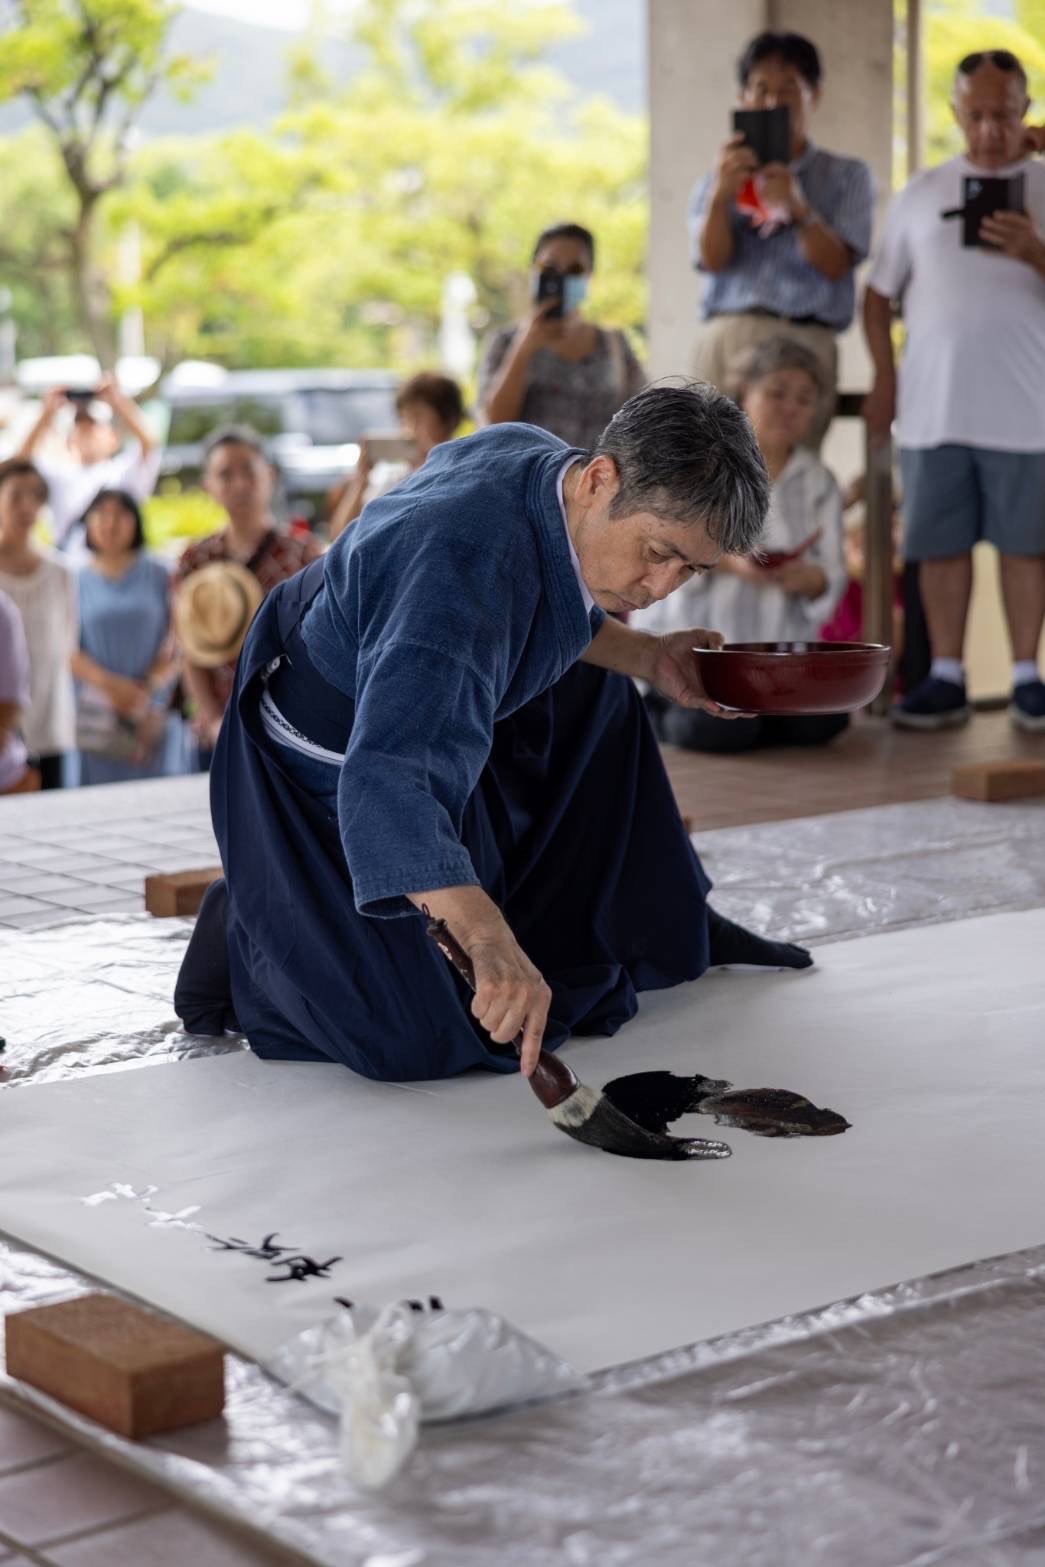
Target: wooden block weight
1020, 780
132, 1371
178, 892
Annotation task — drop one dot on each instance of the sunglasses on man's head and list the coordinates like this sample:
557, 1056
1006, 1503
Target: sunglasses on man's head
1002, 58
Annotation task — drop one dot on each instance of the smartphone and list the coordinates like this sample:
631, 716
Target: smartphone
983, 197
391, 446
766, 131
550, 286
79, 394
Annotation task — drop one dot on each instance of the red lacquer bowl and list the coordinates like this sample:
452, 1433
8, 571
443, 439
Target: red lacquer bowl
794, 678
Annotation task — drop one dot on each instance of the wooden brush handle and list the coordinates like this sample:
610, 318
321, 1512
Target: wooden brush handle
552, 1080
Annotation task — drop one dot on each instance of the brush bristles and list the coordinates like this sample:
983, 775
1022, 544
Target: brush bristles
591, 1118
577, 1108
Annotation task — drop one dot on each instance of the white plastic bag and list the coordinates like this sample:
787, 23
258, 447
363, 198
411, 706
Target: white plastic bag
382, 1372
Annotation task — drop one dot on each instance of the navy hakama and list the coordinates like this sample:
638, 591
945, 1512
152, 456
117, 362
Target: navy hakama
410, 714
573, 831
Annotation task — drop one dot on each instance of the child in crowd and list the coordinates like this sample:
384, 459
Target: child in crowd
786, 592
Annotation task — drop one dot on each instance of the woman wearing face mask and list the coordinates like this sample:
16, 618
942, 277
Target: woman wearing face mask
786, 591
555, 369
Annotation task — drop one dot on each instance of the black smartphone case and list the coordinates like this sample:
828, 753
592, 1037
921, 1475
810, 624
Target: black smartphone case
766, 131
550, 286
984, 196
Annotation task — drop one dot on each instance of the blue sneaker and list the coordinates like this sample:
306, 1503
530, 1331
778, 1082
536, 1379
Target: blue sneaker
1027, 708
935, 704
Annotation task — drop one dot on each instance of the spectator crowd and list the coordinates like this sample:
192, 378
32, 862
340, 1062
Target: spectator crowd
118, 664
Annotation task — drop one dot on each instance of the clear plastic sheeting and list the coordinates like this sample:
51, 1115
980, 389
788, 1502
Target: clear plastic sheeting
900, 1429
828, 877
382, 1372
86, 995
897, 1430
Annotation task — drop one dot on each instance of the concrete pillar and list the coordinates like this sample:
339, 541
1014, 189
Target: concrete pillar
691, 51
693, 47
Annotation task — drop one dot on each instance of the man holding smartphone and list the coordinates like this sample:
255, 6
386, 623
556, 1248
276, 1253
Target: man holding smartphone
970, 421
96, 459
779, 241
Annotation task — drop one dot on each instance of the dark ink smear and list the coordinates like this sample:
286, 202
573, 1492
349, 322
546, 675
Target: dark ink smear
655, 1099
773, 1112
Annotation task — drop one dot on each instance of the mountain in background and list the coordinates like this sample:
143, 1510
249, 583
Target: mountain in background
249, 82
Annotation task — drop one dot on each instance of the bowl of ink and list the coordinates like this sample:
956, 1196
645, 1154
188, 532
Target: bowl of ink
793, 678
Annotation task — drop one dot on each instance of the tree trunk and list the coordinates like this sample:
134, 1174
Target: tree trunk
92, 295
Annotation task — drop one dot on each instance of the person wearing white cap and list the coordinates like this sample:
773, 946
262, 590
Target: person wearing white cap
96, 461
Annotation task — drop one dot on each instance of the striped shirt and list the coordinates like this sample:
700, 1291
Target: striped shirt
772, 274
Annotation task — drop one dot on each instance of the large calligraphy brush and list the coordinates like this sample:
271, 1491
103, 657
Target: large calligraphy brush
576, 1109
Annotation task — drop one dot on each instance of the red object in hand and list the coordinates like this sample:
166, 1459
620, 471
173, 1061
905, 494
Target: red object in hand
771, 559
748, 200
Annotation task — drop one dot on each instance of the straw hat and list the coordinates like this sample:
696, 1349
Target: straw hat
213, 609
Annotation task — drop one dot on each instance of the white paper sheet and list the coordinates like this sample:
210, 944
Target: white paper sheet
932, 1042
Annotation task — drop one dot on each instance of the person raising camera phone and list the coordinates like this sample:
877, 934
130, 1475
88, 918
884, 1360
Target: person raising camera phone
969, 423
95, 458
554, 369
778, 240
430, 408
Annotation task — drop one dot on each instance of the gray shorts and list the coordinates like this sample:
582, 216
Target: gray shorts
954, 496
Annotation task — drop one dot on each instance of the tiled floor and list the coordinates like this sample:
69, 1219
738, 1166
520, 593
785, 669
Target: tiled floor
62, 855
63, 1507
88, 851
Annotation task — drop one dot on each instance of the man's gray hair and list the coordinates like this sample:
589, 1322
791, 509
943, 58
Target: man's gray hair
688, 454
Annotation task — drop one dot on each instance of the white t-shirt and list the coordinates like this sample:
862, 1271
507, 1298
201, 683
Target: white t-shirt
47, 603
973, 370
73, 486
804, 497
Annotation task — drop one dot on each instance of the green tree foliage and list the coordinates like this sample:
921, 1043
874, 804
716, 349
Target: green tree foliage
37, 214
326, 239
451, 150
85, 68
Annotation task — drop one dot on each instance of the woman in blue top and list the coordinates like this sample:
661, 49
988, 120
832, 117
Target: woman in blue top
393, 743
124, 666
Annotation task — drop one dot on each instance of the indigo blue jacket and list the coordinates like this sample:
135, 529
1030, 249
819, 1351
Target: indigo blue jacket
448, 605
